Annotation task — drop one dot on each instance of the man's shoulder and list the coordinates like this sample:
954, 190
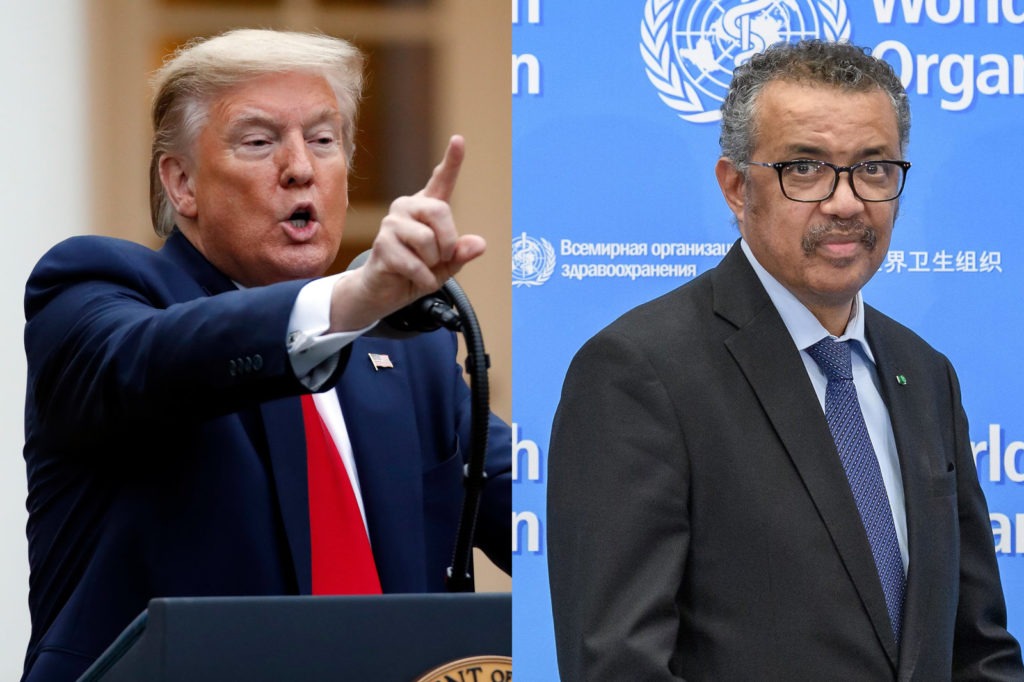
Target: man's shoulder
84, 248
894, 342
91, 255
881, 328
97, 262
681, 311
728, 293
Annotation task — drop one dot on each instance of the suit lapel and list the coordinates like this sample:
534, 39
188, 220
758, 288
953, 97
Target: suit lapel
908, 409
388, 460
767, 356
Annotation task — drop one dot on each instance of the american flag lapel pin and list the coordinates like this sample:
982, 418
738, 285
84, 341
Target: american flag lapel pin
380, 361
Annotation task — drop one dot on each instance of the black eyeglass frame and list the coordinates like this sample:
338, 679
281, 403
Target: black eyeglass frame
780, 166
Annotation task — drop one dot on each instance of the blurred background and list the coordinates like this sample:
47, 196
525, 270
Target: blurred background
74, 107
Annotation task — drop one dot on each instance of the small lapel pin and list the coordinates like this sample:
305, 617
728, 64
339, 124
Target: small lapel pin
901, 380
380, 361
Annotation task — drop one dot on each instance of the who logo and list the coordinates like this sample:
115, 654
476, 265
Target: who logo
533, 261
690, 47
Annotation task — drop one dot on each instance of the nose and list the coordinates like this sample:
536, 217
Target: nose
295, 162
843, 203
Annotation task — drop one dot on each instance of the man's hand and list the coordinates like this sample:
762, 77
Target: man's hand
416, 250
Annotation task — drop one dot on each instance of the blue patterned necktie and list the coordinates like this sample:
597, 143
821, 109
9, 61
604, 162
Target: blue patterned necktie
846, 422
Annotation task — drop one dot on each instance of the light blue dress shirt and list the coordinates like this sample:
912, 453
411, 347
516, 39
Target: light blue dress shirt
806, 331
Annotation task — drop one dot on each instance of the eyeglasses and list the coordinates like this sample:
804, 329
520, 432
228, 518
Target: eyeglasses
811, 181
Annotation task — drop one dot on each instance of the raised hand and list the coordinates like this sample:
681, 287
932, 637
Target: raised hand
417, 248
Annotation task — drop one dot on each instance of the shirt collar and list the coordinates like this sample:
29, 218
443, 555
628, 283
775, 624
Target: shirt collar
801, 323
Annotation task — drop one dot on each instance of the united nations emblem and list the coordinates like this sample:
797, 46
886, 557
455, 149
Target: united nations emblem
690, 47
533, 261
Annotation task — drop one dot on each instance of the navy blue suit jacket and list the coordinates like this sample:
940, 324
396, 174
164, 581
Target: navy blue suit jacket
165, 451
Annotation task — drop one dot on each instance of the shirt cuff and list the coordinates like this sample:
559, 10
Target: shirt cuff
313, 353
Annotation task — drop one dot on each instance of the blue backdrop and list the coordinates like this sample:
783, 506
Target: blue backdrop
615, 135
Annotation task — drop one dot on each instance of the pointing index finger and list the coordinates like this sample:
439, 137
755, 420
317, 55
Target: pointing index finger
442, 181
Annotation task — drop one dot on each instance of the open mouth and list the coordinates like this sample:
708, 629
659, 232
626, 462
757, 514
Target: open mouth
300, 217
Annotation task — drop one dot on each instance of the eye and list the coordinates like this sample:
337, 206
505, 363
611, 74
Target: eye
803, 168
254, 142
325, 139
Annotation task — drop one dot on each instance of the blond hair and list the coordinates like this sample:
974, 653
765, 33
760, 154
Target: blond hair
199, 71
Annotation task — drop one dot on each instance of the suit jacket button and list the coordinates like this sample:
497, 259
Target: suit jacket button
257, 362
232, 368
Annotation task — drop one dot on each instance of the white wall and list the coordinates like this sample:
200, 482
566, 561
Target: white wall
43, 198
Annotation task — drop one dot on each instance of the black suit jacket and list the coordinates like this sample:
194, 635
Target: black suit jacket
701, 525
166, 454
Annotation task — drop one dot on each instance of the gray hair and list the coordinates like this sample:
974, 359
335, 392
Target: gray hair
199, 71
813, 62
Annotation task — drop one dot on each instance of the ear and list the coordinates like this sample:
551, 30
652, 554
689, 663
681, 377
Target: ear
177, 182
733, 184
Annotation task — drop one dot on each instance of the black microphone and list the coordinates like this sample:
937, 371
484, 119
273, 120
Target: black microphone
425, 314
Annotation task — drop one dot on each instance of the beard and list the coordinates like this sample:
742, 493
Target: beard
847, 228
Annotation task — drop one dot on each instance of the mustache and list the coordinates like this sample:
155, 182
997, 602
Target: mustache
863, 232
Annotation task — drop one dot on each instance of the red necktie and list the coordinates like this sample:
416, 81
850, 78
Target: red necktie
342, 560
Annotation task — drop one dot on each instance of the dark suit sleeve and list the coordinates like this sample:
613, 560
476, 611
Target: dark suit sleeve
618, 529
111, 340
983, 649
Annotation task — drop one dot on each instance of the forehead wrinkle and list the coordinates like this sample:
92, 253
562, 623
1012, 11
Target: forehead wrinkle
326, 115
810, 151
805, 150
259, 118
822, 120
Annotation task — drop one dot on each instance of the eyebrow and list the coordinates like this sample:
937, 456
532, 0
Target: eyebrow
818, 152
260, 119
